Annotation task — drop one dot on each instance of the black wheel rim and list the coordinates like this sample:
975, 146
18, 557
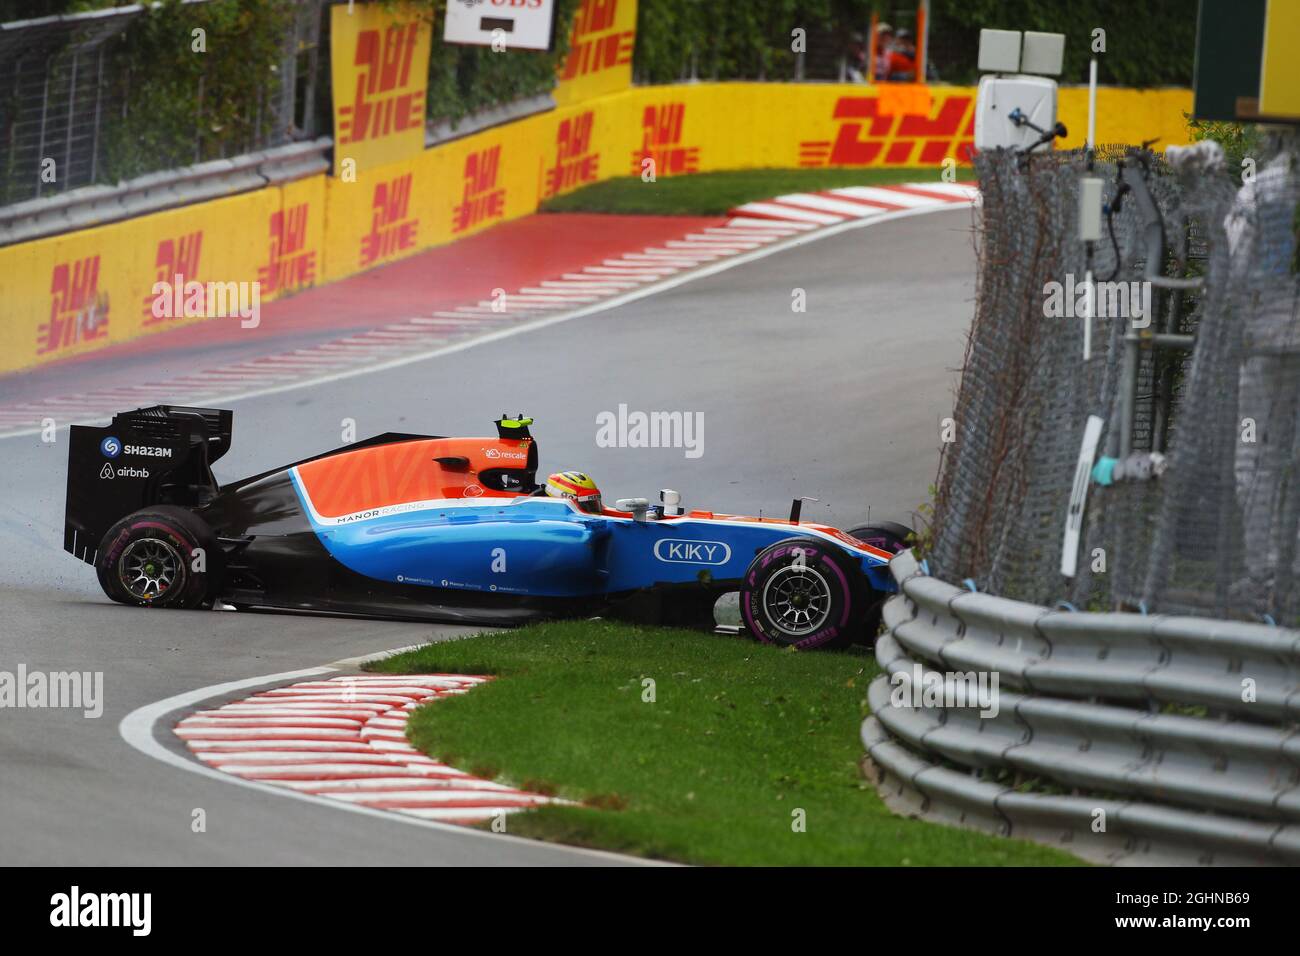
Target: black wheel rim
797, 599
148, 568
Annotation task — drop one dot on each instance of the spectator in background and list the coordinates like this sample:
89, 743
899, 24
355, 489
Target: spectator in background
856, 58
884, 43
901, 62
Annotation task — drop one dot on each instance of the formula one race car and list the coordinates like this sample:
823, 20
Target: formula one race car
449, 529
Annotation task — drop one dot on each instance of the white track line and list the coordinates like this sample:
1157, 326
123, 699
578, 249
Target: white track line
881, 194
790, 212
841, 207
664, 257
628, 269
958, 190
768, 225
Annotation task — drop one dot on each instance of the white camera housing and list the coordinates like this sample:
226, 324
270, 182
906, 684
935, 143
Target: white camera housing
1042, 53
999, 97
1008, 51
999, 51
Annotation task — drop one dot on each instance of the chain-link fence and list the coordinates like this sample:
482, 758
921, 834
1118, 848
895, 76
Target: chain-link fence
56, 101
1216, 532
67, 84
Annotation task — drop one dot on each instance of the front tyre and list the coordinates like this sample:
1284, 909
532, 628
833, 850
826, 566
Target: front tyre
886, 535
805, 594
162, 556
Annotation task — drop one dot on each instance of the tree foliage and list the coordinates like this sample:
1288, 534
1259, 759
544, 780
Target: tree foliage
1151, 43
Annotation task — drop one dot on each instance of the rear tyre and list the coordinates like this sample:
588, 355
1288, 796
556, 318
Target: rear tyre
886, 536
805, 594
162, 556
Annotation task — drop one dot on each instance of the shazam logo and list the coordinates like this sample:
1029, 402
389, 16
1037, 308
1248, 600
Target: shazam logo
111, 447
106, 471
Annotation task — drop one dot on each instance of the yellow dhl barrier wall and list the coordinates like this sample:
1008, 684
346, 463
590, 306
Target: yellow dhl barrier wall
81, 291
600, 51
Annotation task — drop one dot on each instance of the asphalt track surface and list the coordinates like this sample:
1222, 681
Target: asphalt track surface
842, 403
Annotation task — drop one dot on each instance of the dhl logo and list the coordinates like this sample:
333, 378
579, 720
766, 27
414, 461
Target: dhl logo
593, 46
869, 135
291, 265
481, 199
176, 256
391, 228
575, 164
383, 103
78, 311
661, 141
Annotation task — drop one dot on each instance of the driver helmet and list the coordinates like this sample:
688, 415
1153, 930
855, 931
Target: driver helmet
575, 485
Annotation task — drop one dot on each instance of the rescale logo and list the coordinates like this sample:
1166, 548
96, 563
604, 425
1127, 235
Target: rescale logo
111, 447
692, 552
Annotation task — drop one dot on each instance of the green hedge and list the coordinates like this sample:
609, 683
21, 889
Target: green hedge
171, 106
165, 117
749, 40
1149, 43
175, 106
466, 79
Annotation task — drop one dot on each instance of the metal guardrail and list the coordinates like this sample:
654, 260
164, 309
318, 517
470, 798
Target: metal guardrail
1083, 750
444, 131
97, 205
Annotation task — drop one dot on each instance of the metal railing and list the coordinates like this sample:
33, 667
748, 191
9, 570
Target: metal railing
55, 103
1120, 737
97, 205
63, 87
1205, 520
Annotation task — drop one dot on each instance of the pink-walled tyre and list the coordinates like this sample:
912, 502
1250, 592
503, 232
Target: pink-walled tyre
805, 594
162, 556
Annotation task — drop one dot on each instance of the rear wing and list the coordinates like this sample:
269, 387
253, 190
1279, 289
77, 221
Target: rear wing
157, 455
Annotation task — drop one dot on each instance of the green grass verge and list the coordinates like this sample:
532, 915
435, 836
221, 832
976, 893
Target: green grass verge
739, 737
713, 194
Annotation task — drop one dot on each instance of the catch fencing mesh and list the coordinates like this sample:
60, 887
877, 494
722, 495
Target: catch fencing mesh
1216, 533
65, 83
